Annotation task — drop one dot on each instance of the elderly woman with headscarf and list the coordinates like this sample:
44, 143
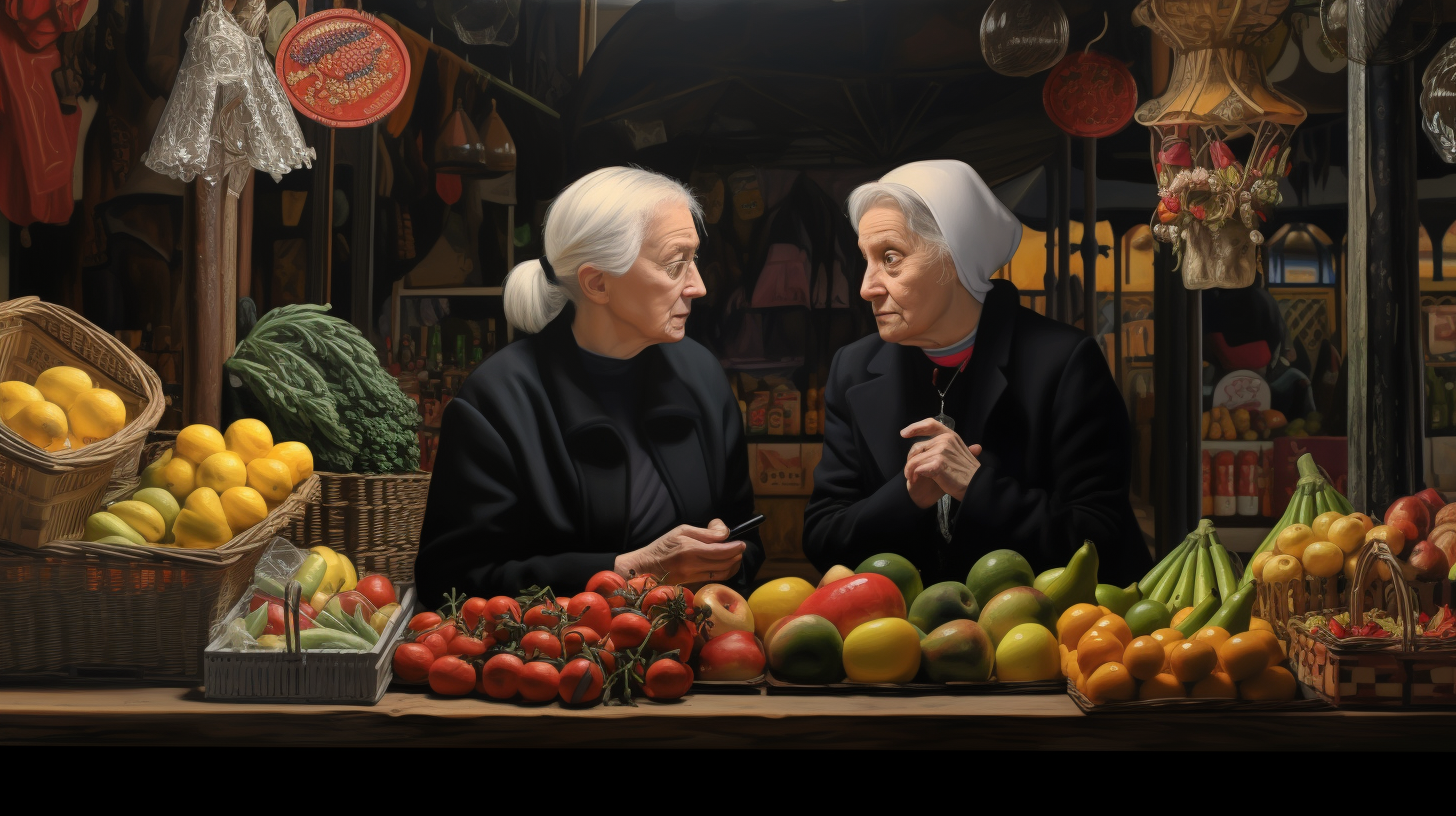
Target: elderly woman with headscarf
969, 423
604, 440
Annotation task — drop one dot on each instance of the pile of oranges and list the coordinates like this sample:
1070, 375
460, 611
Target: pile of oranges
1107, 664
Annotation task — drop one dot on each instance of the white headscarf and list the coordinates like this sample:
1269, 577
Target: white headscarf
981, 232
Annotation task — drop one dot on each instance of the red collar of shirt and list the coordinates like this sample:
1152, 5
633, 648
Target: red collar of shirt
956, 360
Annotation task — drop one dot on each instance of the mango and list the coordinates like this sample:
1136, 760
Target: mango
104, 525
1014, 607
958, 650
898, 569
997, 571
141, 517
161, 501
808, 649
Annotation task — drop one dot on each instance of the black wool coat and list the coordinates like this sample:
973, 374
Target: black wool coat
530, 482
1055, 469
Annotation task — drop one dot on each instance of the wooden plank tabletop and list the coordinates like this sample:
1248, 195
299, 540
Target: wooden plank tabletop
181, 716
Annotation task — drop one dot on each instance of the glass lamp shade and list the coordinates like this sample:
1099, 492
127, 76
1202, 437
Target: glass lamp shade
1023, 37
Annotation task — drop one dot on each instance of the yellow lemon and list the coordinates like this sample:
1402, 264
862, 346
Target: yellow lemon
161, 501
14, 394
882, 651
776, 599
297, 456
205, 502
96, 414
1028, 652
249, 439
141, 517
1322, 559
196, 531
197, 442
222, 471
243, 507
271, 478
42, 424
178, 477
62, 384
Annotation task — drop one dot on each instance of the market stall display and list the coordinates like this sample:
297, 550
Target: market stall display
336, 647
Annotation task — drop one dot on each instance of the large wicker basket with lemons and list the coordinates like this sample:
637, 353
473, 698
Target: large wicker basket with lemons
47, 495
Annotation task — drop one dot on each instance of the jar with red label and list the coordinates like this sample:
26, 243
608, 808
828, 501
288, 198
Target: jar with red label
1224, 502
1246, 480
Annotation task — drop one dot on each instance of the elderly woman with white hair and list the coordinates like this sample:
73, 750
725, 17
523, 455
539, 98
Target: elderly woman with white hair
605, 440
969, 423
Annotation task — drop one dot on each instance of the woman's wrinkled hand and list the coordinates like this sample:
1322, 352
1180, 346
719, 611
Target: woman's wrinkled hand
687, 555
940, 464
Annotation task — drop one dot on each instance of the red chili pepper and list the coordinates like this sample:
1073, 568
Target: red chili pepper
1425, 619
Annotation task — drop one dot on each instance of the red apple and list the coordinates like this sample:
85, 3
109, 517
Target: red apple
1411, 516
734, 656
727, 610
1432, 499
848, 602
1428, 561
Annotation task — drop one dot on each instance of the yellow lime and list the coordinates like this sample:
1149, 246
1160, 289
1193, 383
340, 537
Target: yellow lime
243, 507
249, 439
42, 424
178, 476
222, 471
62, 384
882, 651
197, 442
271, 478
14, 394
297, 456
1322, 522
1293, 539
776, 599
96, 414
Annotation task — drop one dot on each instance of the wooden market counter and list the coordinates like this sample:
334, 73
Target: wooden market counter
179, 716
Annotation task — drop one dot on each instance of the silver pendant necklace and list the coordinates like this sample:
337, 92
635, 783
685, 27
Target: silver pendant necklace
942, 505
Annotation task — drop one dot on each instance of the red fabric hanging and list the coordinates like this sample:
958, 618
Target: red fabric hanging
37, 142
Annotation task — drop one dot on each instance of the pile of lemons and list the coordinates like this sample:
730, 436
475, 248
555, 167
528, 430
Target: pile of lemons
208, 488
63, 410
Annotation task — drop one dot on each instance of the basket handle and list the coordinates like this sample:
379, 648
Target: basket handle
1374, 552
291, 612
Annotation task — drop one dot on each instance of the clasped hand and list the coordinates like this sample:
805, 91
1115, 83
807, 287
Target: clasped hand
941, 464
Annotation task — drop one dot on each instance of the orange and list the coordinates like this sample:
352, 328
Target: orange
1075, 622
1283, 569
1093, 651
1259, 561
1273, 683
1167, 636
1213, 636
1392, 536
1348, 534
1365, 521
1181, 614
1168, 655
1114, 625
1243, 656
1270, 643
1260, 623
1322, 524
1322, 559
1192, 660
1293, 539
1216, 684
1143, 657
1110, 683
1104, 610
1162, 687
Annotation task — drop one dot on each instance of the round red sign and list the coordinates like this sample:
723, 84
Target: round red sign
343, 68
1090, 94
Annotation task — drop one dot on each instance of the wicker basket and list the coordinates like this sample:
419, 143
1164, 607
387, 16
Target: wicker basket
79, 609
324, 677
47, 496
1191, 704
376, 520
1375, 671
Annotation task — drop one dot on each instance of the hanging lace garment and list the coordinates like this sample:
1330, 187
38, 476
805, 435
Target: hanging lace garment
227, 111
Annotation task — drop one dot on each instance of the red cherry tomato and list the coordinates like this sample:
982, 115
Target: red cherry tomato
540, 681
378, 589
437, 645
276, 619
541, 642
352, 599
581, 682
579, 637
642, 583
449, 630
423, 621
412, 662
606, 583
452, 676
607, 656
677, 634
545, 614
472, 611
502, 605
653, 603
667, 680
629, 629
468, 646
592, 609
500, 677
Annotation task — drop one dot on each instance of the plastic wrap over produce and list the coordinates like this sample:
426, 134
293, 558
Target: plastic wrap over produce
227, 110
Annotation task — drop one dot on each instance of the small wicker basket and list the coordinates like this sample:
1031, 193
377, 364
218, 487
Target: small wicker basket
47, 496
103, 611
376, 520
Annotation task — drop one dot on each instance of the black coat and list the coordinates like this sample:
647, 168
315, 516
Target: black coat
530, 482
1037, 395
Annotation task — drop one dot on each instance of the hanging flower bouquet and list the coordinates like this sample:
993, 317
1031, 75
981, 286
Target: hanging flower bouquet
1216, 192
